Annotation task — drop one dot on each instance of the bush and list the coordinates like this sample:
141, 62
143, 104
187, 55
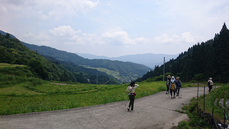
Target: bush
184, 125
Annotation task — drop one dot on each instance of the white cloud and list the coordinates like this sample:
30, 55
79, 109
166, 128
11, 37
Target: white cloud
41, 38
44, 9
63, 8
141, 25
141, 39
28, 35
165, 38
195, 13
41, 15
64, 31
187, 37
122, 37
68, 36
176, 39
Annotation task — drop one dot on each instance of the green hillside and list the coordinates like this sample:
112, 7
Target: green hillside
127, 70
12, 51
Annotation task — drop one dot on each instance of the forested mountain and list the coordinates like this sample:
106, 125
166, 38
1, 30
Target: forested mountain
127, 70
93, 75
8, 35
203, 60
14, 52
147, 59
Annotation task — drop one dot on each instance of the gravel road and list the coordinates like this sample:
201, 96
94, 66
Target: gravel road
151, 112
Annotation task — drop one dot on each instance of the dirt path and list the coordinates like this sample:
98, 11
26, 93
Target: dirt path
60, 83
151, 112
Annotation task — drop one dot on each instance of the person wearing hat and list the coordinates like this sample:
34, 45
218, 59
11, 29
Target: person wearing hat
168, 83
131, 89
210, 84
172, 87
178, 84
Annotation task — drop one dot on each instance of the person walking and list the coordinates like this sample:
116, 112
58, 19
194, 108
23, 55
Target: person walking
210, 84
168, 83
131, 89
178, 84
172, 87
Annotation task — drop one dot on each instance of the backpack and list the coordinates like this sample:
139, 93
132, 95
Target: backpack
167, 82
129, 89
172, 86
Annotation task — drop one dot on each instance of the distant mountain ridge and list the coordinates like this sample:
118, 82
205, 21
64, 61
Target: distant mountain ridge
124, 70
127, 67
4, 33
148, 59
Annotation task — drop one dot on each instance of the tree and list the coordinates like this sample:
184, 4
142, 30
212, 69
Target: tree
7, 35
221, 54
38, 67
64, 77
5, 57
21, 60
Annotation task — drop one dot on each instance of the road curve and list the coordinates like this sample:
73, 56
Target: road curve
150, 112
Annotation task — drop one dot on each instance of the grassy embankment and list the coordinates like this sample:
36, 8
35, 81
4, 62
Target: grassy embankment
212, 100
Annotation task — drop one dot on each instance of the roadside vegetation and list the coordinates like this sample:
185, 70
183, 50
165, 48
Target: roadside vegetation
195, 121
216, 99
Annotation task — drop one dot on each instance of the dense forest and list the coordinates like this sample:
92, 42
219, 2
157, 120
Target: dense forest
12, 51
203, 60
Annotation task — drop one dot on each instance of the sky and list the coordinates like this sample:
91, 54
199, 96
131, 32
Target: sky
114, 28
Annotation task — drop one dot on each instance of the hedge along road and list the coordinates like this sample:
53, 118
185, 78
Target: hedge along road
151, 112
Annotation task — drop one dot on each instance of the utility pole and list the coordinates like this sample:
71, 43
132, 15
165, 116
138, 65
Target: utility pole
120, 72
96, 78
164, 70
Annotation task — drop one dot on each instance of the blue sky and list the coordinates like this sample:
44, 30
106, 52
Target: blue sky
114, 28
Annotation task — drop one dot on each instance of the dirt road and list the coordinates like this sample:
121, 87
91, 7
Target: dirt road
151, 112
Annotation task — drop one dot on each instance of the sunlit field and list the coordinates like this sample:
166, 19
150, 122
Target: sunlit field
29, 97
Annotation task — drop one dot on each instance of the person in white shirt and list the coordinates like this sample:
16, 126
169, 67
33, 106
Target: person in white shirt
210, 84
131, 89
168, 83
